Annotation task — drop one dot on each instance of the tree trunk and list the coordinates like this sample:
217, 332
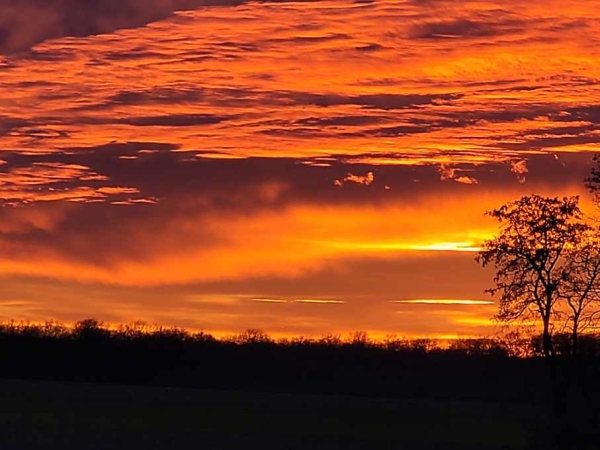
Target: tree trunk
575, 338
547, 339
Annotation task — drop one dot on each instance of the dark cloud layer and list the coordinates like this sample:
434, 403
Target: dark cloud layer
96, 232
463, 28
158, 170
25, 23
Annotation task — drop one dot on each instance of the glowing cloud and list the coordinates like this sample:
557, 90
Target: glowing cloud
520, 169
443, 301
451, 173
316, 301
365, 180
269, 300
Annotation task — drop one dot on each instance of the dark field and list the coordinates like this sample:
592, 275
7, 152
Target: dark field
94, 388
36, 414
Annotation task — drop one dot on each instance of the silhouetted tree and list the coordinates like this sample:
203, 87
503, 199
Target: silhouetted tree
515, 344
581, 289
531, 255
330, 340
593, 181
359, 339
91, 329
252, 336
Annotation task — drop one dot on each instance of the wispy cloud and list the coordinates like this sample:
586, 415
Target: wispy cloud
319, 301
444, 301
270, 300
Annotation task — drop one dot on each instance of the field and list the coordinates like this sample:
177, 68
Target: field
37, 414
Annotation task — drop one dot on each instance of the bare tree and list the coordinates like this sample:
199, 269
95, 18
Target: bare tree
593, 181
581, 289
531, 258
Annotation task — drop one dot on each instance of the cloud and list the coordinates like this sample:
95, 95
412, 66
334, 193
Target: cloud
519, 168
478, 97
25, 23
444, 301
452, 173
466, 180
159, 171
269, 300
365, 180
341, 121
316, 301
464, 28
8, 124
381, 101
55, 181
174, 120
154, 96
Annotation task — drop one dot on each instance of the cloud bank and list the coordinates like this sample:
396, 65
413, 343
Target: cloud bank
25, 23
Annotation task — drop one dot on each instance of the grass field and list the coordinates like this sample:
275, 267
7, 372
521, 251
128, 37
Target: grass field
87, 416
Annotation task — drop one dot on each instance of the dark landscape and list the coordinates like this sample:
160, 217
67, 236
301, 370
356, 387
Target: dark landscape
158, 387
74, 415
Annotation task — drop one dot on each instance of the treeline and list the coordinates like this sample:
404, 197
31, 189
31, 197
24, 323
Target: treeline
476, 369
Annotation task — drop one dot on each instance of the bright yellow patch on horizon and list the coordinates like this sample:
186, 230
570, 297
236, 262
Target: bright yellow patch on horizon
383, 246
448, 246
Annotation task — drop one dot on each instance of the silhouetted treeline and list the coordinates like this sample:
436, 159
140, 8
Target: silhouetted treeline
476, 369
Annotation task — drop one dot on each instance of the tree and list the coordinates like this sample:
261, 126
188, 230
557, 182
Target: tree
531, 255
581, 290
253, 336
90, 330
593, 181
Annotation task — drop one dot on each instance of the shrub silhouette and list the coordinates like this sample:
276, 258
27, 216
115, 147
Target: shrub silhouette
252, 336
90, 329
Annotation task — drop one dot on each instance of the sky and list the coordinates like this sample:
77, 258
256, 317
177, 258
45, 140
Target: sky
299, 167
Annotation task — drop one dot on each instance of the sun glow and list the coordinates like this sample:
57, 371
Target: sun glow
448, 247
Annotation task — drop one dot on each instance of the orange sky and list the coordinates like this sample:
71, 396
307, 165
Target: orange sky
300, 167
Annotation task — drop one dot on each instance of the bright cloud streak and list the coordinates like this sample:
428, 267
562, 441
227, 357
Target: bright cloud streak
444, 301
316, 301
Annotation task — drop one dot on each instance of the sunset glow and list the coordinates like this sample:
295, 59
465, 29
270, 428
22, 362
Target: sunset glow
286, 166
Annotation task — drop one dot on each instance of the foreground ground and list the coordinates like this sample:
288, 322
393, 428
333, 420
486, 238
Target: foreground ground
87, 416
